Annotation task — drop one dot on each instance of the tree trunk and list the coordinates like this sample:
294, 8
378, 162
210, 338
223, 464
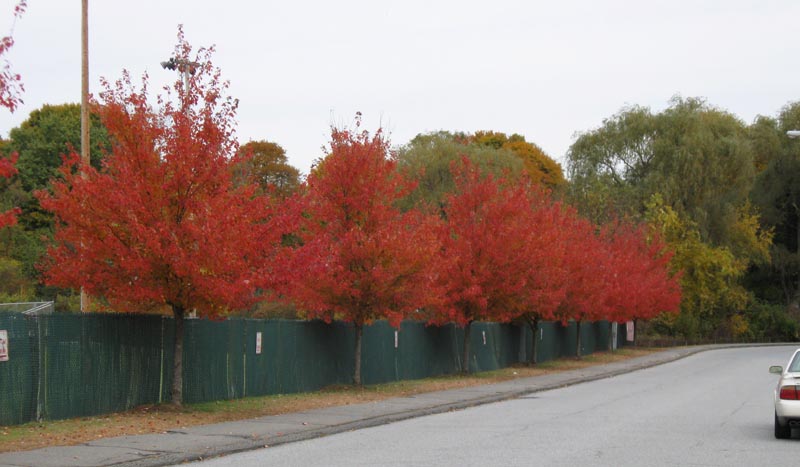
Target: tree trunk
534, 356
177, 362
610, 336
357, 362
465, 356
578, 344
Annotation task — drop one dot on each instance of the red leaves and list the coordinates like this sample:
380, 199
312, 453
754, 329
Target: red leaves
509, 251
161, 223
502, 256
639, 284
10, 90
482, 246
7, 170
11, 86
361, 258
503, 250
9, 218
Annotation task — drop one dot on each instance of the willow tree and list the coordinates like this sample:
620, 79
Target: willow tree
697, 159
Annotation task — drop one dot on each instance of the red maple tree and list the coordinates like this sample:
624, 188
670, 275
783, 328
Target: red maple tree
640, 284
548, 267
587, 262
496, 252
360, 258
161, 223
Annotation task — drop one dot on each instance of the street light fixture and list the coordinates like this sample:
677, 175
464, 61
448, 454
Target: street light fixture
186, 67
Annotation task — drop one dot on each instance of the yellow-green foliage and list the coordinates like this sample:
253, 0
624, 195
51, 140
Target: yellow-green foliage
711, 275
748, 238
14, 286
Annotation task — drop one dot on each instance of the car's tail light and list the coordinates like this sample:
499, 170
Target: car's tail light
789, 393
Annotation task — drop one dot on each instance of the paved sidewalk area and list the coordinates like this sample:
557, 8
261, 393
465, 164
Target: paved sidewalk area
200, 442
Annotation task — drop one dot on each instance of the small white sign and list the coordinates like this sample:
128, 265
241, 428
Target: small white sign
258, 343
3, 345
629, 329
614, 331
395, 340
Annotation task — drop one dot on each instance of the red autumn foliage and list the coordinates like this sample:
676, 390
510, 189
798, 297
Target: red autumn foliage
585, 261
361, 258
11, 87
618, 273
10, 90
8, 170
500, 258
549, 267
161, 223
640, 285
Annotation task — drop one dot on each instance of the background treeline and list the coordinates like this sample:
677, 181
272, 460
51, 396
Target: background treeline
722, 192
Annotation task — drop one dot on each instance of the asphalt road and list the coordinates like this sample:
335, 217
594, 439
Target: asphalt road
710, 409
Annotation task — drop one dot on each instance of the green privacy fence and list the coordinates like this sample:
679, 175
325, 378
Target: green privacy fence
70, 365
63, 365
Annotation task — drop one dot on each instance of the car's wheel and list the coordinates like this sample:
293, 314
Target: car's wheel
782, 432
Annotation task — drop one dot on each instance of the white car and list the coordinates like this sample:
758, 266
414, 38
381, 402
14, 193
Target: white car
787, 397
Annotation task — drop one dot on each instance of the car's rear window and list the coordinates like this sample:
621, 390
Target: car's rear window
795, 365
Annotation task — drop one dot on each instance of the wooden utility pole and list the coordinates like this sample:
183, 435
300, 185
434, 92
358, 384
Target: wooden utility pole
85, 157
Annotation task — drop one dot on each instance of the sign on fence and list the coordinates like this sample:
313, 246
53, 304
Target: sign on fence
258, 343
3, 345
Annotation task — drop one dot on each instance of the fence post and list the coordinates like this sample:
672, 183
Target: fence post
161, 365
41, 373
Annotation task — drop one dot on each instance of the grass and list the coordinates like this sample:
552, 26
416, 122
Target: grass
159, 419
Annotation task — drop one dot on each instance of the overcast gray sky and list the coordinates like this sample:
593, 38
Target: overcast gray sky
544, 69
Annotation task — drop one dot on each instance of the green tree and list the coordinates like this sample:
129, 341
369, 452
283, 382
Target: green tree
427, 159
608, 167
777, 195
14, 286
766, 140
700, 163
699, 158
46, 135
265, 165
